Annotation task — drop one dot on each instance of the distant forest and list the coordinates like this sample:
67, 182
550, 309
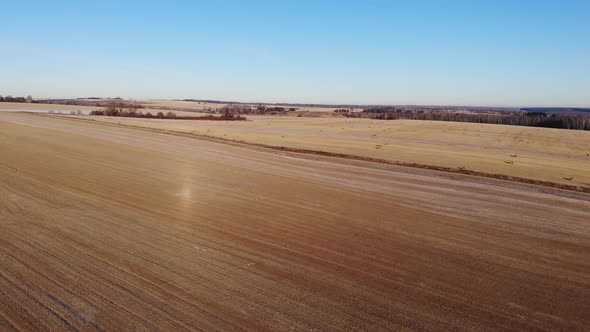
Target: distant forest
10, 99
557, 109
577, 121
132, 111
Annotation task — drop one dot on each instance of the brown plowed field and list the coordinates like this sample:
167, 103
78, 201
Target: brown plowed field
114, 228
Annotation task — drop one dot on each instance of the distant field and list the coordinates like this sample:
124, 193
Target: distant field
68, 108
44, 107
200, 106
163, 104
554, 155
155, 105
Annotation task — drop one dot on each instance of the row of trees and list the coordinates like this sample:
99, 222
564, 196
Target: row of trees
248, 109
11, 99
132, 111
536, 119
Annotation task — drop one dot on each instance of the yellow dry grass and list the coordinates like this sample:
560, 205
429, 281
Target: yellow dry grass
164, 104
200, 106
44, 107
24, 107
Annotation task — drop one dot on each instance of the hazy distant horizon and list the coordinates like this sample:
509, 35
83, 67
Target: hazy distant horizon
304, 103
500, 54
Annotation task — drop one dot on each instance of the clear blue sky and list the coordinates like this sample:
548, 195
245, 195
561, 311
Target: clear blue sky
503, 53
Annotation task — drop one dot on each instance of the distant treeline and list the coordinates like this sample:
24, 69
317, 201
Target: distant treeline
169, 115
532, 119
10, 99
99, 98
129, 111
260, 109
557, 109
92, 101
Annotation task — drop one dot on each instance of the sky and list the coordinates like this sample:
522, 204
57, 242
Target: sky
451, 52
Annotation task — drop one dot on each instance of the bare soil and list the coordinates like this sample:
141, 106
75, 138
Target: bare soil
117, 228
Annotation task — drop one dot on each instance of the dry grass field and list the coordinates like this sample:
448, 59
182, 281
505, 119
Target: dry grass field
105, 227
201, 106
169, 104
43, 107
554, 155
66, 109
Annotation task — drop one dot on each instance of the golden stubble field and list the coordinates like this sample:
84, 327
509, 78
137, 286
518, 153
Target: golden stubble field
201, 106
114, 228
44, 107
554, 155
